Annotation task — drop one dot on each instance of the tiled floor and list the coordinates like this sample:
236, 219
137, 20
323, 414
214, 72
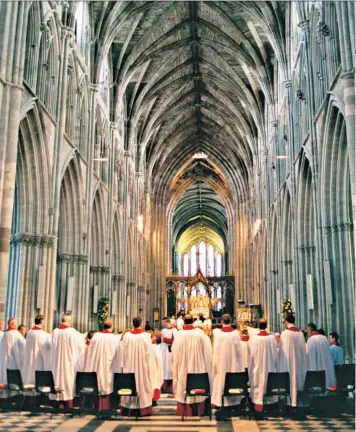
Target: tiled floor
164, 419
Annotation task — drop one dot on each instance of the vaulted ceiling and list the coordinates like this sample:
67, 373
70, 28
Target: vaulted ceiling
192, 77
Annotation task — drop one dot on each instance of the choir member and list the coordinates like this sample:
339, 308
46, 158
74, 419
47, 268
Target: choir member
23, 330
38, 351
104, 359
12, 350
67, 347
2, 326
319, 355
156, 369
227, 357
245, 347
136, 358
191, 354
180, 322
264, 359
293, 357
168, 334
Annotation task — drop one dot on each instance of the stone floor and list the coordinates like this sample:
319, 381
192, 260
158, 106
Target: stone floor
165, 420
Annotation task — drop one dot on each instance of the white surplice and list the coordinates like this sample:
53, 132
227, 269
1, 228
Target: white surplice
100, 359
156, 367
167, 359
1, 335
67, 347
12, 353
180, 323
191, 354
293, 359
245, 350
264, 359
320, 358
227, 357
37, 354
137, 355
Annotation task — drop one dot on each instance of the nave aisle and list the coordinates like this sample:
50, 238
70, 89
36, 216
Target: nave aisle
165, 420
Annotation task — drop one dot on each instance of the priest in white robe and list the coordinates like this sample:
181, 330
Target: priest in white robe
293, 357
319, 355
67, 347
12, 350
227, 357
191, 354
264, 359
103, 349
168, 334
156, 370
180, 323
245, 347
37, 353
137, 358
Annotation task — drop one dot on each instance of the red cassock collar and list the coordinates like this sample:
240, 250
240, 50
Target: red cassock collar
63, 326
136, 331
245, 338
292, 328
314, 333
263, 333
36, 328
106, 331
10, 328
227, 329
189, 327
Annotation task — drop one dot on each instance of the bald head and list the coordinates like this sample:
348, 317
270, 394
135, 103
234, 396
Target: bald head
12, 323
67, 319
107, 324
2, 324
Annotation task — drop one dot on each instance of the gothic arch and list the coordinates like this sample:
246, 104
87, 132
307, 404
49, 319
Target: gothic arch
337, 221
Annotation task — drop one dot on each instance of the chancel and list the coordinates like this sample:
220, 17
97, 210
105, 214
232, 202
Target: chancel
177, 186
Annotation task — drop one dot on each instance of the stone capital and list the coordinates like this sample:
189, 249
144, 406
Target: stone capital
304, 25
287, 83
127, 153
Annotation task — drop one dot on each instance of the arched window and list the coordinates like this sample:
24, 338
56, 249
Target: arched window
211, 260
193, 259
185, 265
218, 265
202, 256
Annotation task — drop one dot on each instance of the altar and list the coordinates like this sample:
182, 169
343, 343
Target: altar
200, 311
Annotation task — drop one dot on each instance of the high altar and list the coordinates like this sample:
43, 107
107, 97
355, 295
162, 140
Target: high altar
200, 294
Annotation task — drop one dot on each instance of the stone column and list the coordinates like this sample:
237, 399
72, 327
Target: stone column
12, 47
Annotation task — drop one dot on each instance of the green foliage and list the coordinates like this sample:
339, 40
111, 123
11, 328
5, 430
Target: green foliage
103, 310
287, 308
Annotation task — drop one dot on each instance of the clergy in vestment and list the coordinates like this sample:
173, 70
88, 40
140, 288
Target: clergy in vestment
37, 353
137, 358
263, 360
293, 357
67, 347
319, 355
12, 350
180, 323
227, 357
245, 347
156, 369
191, 354
104, 358
168, 334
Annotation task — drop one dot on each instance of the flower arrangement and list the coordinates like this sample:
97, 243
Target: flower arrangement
103, 311
287, 308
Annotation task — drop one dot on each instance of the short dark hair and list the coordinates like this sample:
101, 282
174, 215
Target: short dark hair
137, 321
335, 336
21, 326
226, 319
107, 326
148, 326
262, 325
188, 319
39, 318
290, 319
90, 334
312, 326
321, 331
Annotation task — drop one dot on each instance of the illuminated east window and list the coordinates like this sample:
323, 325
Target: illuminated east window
211, 260
202, 256
185, 265
193, 259
218, 265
